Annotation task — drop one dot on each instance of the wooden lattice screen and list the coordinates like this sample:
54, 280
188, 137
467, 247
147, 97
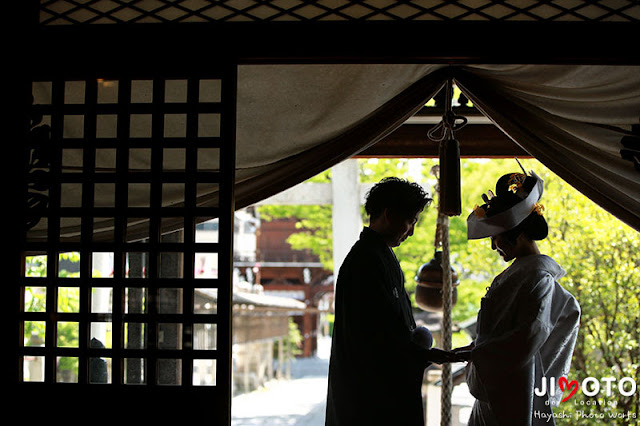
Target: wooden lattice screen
132, 319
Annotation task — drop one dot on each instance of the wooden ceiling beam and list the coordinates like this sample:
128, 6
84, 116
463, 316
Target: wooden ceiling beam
476, 141
179, 47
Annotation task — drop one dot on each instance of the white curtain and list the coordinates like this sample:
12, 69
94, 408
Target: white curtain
294, 121
572, 119
297, 121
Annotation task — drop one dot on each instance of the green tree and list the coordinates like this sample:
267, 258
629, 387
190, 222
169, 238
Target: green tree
598, 252
314, 233
474, 261
600, 255
68, 298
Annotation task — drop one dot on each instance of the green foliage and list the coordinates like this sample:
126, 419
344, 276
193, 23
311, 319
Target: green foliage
600, 255
314, 228
474, 261
73, 257
293, 341
314, 224
36, 266
374, 169
68, 298
598, 252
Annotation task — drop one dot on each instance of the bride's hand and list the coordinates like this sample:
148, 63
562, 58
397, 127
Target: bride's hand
464, 348
463, 353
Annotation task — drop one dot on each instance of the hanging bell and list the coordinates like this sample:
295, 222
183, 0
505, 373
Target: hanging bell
429, 284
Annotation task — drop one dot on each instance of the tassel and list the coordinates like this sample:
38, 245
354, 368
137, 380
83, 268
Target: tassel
449, 182
450, 199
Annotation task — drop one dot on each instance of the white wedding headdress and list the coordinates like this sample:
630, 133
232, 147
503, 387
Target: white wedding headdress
479, 225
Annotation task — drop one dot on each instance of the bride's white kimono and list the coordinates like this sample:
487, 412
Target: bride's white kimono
527, 329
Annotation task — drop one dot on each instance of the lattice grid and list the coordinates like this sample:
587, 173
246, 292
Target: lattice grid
70, 12
113, 290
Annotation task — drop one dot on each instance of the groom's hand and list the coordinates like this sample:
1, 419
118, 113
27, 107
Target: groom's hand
440, 356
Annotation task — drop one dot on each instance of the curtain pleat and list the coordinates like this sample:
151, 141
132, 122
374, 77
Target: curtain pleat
583, 149
257, 184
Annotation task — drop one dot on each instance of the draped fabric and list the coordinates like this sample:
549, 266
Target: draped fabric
344, 122
294, 121
573, 120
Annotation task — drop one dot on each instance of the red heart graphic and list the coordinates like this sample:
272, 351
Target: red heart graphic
564, 384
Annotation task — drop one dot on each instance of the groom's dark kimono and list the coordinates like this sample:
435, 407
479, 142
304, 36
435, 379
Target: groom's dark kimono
376, 372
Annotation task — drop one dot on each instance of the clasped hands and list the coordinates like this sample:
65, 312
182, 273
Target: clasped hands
422, 337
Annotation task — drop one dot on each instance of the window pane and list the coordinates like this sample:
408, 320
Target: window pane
173, 194
169, 371
135, 299
33, 369
175, 125
69, 265
170, 301
74, 92
174, 159
101, 300
72, 160
205, 301
137, 229
35, 299
100, 370
106, 126
71, 195
67, 369
207, 231
103, 229
139, 194
41, 92
69, 227
68, 299
106, 160
107, 91
169, 336
141, 91
101, 335
139, 127
208, 159
210, 90
104, 195
204, 336
68, 334
34, 333
36, 266
135, 335
102, 265
73, 127
209, 191
175, 91
137, 265
208, 125
140, 158
204, 372
134, 371
206, 265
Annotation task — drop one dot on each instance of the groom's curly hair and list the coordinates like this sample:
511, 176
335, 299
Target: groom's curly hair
399, 195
